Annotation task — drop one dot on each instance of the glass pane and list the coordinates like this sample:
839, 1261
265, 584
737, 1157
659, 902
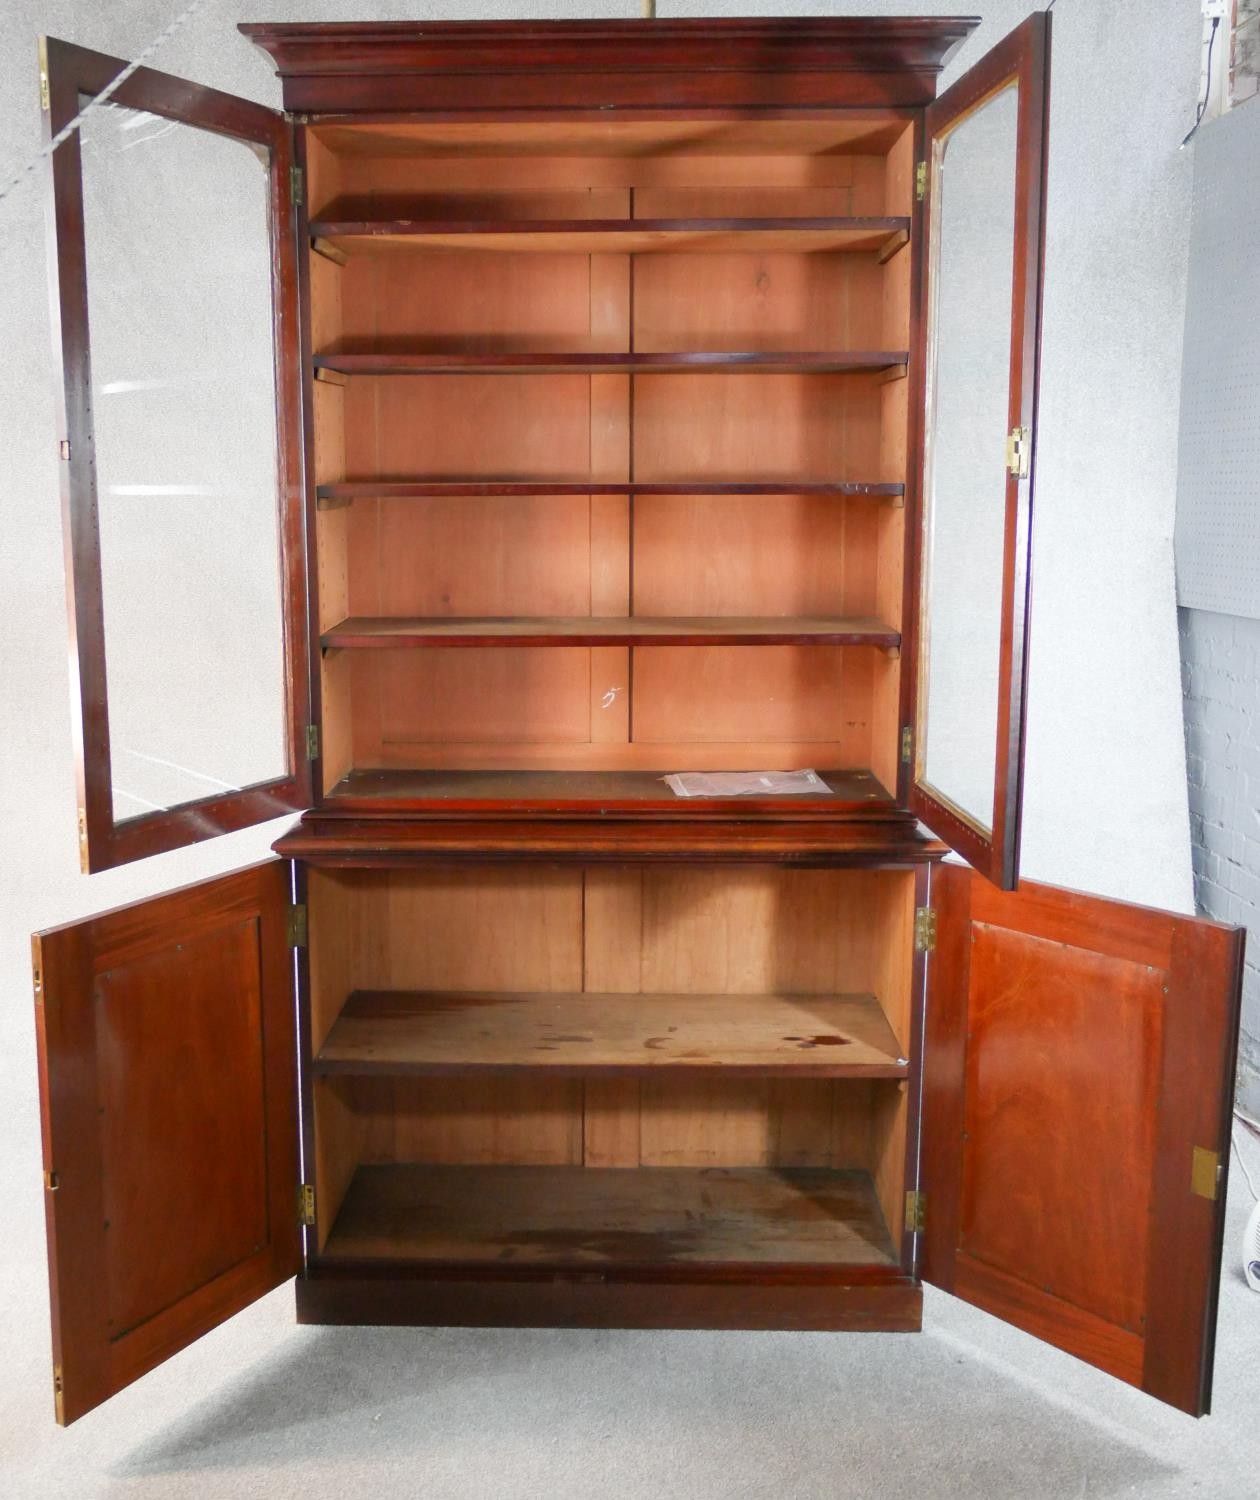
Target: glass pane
973, 196
177, 229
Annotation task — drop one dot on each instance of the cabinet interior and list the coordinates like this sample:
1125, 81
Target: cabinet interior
736, 530
541, 1065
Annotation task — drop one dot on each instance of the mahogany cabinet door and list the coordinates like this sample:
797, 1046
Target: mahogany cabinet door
175, 325
967, 626
1078, 1087
168, 1101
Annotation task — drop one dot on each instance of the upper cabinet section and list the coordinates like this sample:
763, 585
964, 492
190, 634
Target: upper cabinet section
984, 187
175, 321
603, 65
610, 448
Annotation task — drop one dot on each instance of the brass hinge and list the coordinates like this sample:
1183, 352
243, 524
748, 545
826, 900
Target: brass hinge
295, 184
63, 450
920, 182
59, 1395
916, 1213
83, 840
1205, 1173
312, 742
37, 971
907, 745
306, 1205
51, 1181
924, 929
45, 98
1018, 450
295, 926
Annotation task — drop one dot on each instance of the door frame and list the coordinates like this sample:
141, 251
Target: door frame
1023, 55
69, 72
75, 968
1187, 973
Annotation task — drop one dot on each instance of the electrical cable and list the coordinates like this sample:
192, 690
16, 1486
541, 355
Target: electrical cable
1207, 85
1242, 1160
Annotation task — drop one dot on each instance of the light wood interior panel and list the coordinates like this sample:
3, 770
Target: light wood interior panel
480, 427
733, 554
829, 138
504, 699
495, 555
696, 931
610, 708
474, 1122
767, 301
719, 186
888, 566
705, 695
332, 536
341, 1145
344, 929
471, 302
733, 428
325, 166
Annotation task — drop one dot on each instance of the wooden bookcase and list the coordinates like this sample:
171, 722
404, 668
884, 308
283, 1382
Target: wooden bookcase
611, 445
622, 413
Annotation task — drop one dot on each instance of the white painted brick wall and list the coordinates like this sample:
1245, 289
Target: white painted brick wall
1220, 677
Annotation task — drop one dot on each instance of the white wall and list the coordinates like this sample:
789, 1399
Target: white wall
1220, 665
1106, 800
1218, 548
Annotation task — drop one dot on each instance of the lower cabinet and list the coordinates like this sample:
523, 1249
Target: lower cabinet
578, 1089
655, 1096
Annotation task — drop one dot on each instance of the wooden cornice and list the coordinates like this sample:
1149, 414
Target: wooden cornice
346, 67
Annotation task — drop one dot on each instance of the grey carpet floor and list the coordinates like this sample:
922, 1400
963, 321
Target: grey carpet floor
969, 1408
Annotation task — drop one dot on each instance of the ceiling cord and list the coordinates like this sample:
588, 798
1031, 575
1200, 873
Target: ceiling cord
1242, 1160
1207, 85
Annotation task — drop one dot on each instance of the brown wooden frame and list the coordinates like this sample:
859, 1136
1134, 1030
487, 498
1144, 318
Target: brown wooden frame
78, 1047
1023, 56
1174, 981
72, 72
713, 73
699, 65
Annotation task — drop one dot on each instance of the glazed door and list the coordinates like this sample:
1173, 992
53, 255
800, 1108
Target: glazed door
168, 1100
1078, 1085
174, 308
984, 191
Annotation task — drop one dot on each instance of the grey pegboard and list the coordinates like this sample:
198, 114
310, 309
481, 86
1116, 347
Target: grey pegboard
1218, 471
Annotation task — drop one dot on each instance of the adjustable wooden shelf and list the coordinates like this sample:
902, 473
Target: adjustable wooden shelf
329, 496
768, 630
883, 236
682, 362
647, 399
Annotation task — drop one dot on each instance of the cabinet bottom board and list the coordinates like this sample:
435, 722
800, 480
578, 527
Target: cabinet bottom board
567, 1217
851, 791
